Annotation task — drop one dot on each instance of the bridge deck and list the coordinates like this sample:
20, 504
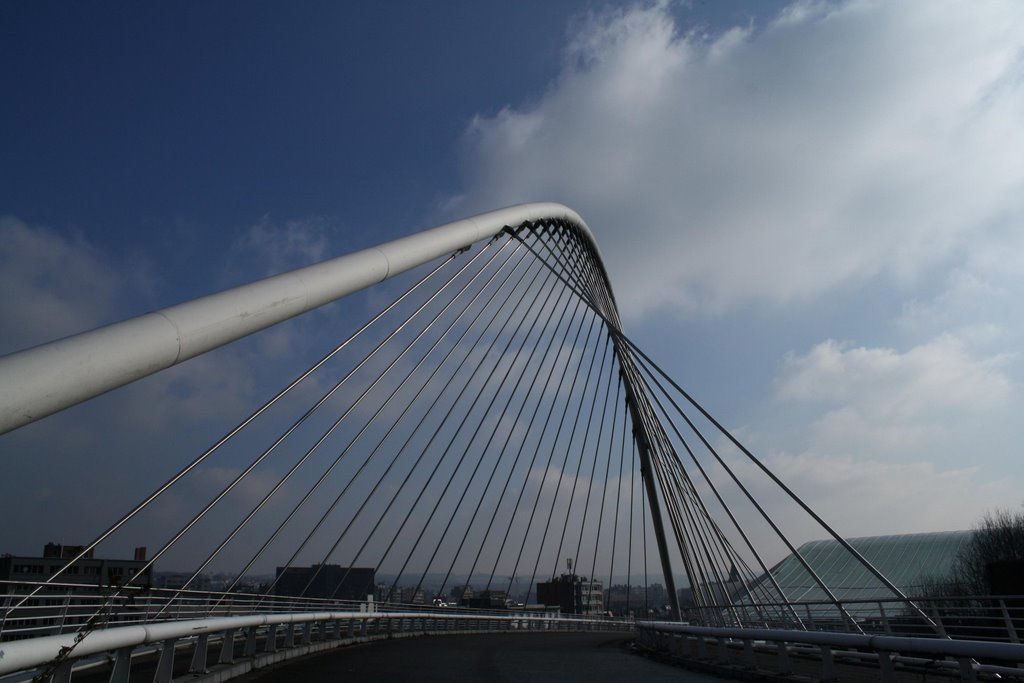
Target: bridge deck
559, 657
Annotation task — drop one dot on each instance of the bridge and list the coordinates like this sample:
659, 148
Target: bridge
485, 453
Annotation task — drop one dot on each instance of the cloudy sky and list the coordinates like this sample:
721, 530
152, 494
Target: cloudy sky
812, 214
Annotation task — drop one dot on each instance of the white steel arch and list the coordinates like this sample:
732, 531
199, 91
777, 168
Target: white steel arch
47, 378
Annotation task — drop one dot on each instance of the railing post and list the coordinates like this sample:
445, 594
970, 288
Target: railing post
227, 647
886, 669
967, 672
1010, 629
848, 622
7, 608
64, 611
250, 641
749, 661
198, 665
165, 664
937, 618
122, 666
885, 618
702, 648
62, 674
289, 636
723, 651
828, 664
271, 644
307, 633
784, 665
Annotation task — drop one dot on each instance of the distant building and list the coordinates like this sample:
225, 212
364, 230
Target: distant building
326, 581
86, 571
912, 562
71, 597
408, 595
625, 600
657, 599
715, 592
460, 593
487, 599
177, 581
573, 594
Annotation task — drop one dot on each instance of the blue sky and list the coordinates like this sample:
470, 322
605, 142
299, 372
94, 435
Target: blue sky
812, 212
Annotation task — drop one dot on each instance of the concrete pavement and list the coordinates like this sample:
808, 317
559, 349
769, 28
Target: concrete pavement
501, 657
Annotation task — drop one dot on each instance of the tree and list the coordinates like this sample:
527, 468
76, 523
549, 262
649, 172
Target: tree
996, 546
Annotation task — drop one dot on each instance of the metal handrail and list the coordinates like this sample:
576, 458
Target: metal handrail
66, 607
979, 617
971, 656
29, 654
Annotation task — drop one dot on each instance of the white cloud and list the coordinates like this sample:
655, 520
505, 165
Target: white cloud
936, 402
51, 286
887, 385
840, 143
278, 247
864, 497
922, 434
270, 247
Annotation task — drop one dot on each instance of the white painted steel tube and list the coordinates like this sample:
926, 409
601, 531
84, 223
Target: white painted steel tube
932, 647
44, 379
21, 655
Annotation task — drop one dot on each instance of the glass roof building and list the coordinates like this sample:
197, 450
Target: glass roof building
909, 561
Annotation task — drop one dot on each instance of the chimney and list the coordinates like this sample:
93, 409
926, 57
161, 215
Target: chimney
140, 554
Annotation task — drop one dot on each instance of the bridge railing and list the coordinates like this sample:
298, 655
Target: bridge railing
976, 617
62, 608
821, 654
68, 607
254, 640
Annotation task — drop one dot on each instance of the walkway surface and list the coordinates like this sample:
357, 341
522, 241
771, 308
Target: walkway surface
504, 658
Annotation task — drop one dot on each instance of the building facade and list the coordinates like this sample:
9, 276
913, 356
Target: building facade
72, 596
326, 581
89, 570
572, 594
